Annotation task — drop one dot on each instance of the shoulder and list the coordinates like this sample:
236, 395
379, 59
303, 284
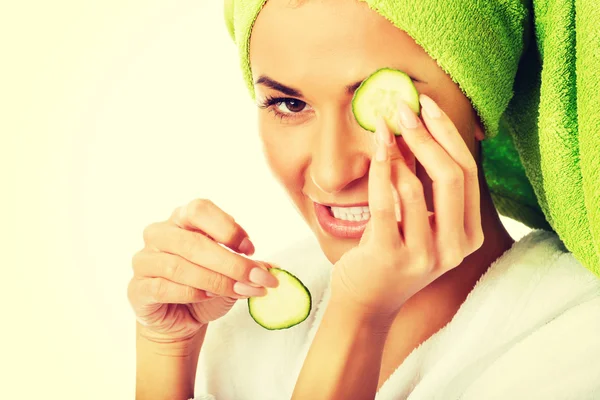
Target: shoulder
538, 268
548, 342
537, 284
559, 359
561, 280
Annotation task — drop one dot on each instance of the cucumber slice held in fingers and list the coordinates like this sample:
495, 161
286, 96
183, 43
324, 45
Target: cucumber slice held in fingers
379, 96
284, 306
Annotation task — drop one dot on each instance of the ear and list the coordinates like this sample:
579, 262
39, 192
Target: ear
479, 130
479, 135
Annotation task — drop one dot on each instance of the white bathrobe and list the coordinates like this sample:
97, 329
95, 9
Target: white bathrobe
529, 329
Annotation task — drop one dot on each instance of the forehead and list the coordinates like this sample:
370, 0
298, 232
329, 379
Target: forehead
320, 36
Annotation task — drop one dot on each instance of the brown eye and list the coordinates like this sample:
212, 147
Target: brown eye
291, 106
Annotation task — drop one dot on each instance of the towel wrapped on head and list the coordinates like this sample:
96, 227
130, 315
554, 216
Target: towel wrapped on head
531, 70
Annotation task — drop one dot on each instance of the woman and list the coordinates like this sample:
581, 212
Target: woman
433, 254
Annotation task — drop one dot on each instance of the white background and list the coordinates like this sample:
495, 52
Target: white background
112, 114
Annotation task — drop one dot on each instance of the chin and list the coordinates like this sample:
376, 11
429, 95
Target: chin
333, 248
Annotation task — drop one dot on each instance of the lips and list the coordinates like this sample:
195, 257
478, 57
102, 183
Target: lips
364, 204
337, 227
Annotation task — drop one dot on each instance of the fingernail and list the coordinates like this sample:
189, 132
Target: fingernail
247, 290
407, 116
261, 277
210, 294
430, 107
247, 247
238, 297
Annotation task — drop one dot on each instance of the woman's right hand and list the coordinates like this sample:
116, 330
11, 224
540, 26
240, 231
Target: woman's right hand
183, 260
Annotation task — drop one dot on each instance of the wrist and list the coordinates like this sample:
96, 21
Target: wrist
379, 322
166, 369
163, 345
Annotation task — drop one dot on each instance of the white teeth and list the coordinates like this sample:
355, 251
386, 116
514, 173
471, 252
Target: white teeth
352, 210
336, 212
351, 213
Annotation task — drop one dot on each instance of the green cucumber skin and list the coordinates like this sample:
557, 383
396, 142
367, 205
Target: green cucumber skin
286, 326
365, 83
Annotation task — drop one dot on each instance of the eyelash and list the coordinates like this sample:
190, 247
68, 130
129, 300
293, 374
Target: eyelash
270, 103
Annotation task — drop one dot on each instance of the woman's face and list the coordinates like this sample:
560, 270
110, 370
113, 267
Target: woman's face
308, 60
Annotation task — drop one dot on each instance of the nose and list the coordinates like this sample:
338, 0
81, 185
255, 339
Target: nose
338, 157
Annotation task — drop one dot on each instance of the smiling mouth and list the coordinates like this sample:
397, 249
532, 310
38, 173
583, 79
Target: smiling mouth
348, 225
351, 214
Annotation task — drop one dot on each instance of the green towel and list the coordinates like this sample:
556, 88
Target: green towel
541, 155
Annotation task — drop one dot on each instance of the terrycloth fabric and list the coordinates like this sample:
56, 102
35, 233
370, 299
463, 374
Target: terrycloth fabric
541, 156
528, 330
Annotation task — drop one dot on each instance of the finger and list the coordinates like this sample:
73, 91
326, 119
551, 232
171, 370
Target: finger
176, 269
456, 147
400, 153
414, 216
202, 215
407, 155
381, 200
146, 291
202, 251
447, 179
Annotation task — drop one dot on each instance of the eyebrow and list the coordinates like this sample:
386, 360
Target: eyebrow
273, 84
292, 92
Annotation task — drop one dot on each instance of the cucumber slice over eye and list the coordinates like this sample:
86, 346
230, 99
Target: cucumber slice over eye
284, 306
380, 94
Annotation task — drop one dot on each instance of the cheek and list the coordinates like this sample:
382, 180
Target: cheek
455, 104
279, 165
285, 160
460, 113
466, 128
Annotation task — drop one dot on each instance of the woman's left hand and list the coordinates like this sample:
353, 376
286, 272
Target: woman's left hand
396, 259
